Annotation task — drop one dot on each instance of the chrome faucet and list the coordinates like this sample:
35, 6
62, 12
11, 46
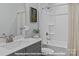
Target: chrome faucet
8, 38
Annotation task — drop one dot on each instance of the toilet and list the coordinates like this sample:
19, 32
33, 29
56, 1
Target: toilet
47, 51
25, 30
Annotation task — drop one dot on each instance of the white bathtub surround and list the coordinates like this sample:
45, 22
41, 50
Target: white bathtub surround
6, 49
54, 21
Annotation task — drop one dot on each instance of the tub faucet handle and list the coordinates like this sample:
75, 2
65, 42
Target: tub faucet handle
47, 33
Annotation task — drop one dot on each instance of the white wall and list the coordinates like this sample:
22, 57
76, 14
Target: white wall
8, 17
28, 23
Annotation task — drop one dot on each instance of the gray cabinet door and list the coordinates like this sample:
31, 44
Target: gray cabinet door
34, 49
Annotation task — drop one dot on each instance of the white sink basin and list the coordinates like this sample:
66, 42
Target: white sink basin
13, 45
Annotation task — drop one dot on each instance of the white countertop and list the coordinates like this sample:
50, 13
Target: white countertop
15, 46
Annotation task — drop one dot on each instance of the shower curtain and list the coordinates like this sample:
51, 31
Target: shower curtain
73, 48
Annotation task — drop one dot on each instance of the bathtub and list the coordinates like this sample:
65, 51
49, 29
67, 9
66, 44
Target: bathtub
49, 50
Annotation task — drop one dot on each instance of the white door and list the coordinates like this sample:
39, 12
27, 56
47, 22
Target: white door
20, 22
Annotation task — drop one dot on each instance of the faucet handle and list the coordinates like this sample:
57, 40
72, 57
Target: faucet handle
11, 35
47, 33
10, 38
4, 35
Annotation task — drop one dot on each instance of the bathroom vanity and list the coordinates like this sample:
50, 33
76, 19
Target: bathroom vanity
27, 51
22, 47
